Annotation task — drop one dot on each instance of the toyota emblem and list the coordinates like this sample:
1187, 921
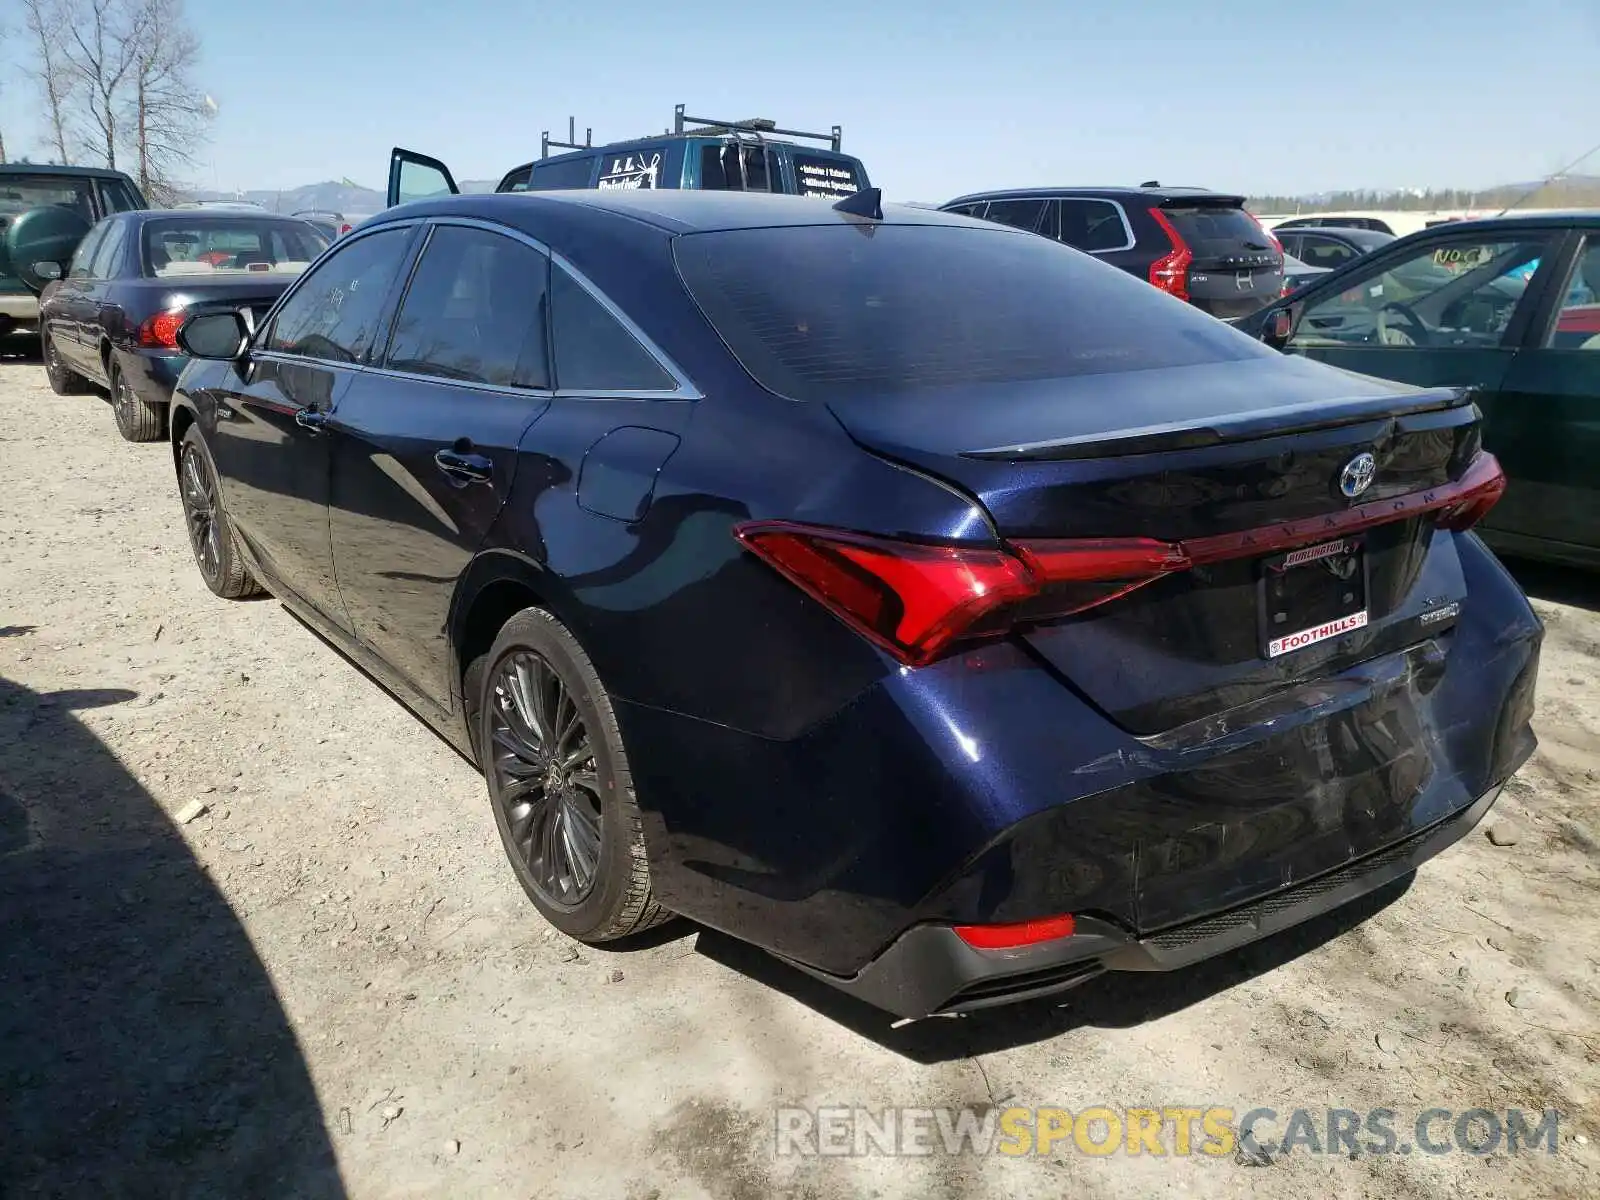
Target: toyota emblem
1357, 474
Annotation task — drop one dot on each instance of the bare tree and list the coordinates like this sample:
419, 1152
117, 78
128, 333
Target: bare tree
46, 22
101, 49
168, 114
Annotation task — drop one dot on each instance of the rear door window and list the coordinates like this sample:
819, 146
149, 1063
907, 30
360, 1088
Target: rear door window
1019, 214
335, 312
1577, 323
1320, 250
476, 311
738, 167
118, 196
819, 311
108, 256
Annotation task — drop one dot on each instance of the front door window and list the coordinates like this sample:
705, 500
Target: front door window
1457, 293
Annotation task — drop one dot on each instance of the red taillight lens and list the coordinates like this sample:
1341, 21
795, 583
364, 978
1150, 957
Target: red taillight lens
1479, 489
160, 332
1170, 272
1017, 934
911, 599
916, 600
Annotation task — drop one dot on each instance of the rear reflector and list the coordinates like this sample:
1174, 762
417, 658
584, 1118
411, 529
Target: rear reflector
1021, 933
915, 600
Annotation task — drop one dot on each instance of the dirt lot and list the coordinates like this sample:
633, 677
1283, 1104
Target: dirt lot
328, 984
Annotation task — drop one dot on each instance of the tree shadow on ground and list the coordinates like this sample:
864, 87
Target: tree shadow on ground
143, 1049
1113, 1001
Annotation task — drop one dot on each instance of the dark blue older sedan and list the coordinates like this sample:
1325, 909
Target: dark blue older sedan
112, 312
951, 614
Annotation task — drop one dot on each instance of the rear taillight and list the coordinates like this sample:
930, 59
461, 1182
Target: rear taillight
1017, 934
1170, 272
160, 332
916, 600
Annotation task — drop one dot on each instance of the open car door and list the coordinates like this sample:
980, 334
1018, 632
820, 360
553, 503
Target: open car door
414, 176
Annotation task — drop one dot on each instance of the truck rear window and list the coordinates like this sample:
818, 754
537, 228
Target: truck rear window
819, 312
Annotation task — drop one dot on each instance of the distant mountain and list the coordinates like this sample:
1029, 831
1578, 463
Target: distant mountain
1566, 191
344, 197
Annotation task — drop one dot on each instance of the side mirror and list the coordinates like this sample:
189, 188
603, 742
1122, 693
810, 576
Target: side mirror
1278, 328
47, 271
223, 336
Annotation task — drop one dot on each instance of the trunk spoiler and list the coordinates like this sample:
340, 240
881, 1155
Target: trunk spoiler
1251, 426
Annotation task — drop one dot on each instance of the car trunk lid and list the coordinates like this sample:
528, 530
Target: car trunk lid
1235, 267
1173, 455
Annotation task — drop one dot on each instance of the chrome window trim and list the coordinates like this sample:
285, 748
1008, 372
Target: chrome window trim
1122, 213
686, 390
337, 246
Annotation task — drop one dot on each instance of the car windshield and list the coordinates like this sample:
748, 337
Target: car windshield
19, 193
205, 245
816, 312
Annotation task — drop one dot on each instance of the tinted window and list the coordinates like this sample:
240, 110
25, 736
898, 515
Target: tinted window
560, 173
207, 245
1322, 251
815, 312
84, 254
1456, 293
516, 181
334, 313
594, 352
475, 310
819, 174
735, 167
975, 209
19, 193
1216, 228
109, 255
1093, 225
118, 196
1019, 214
1577, 324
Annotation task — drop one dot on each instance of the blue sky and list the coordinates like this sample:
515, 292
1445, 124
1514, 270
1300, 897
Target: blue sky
937, 97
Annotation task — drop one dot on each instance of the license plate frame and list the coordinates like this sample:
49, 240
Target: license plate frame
1293, 613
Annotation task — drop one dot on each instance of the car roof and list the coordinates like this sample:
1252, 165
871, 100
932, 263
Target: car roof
210, 214
17, 168
671, 210
1115, 191
1583, 218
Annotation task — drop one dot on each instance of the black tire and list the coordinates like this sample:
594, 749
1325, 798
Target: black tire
64, 381
137, 420
542, 796
211, 537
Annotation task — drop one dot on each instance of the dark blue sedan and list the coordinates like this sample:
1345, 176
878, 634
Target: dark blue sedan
951, 614
111, 316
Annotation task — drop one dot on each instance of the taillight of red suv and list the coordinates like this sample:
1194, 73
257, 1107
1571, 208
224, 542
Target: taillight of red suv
1170, 272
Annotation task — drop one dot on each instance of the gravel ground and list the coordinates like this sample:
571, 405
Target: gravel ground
328, 984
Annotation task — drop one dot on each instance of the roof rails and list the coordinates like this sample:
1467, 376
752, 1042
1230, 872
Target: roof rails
756, 125
546, 141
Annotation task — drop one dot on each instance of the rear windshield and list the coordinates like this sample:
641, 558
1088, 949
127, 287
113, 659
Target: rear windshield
819, 312
211, 245
1216, 225
833, 175
19, 193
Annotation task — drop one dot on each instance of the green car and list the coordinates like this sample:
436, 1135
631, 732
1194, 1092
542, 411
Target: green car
1510, 306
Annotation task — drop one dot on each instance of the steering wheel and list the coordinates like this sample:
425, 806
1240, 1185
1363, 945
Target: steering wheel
1409, 331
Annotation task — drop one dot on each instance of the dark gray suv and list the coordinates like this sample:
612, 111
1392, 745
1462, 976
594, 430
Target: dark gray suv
1198, 245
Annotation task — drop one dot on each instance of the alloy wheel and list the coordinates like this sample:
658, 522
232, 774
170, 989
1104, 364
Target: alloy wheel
200, 509
546, 778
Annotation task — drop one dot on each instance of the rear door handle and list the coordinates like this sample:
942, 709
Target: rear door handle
463, 467
312, 419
